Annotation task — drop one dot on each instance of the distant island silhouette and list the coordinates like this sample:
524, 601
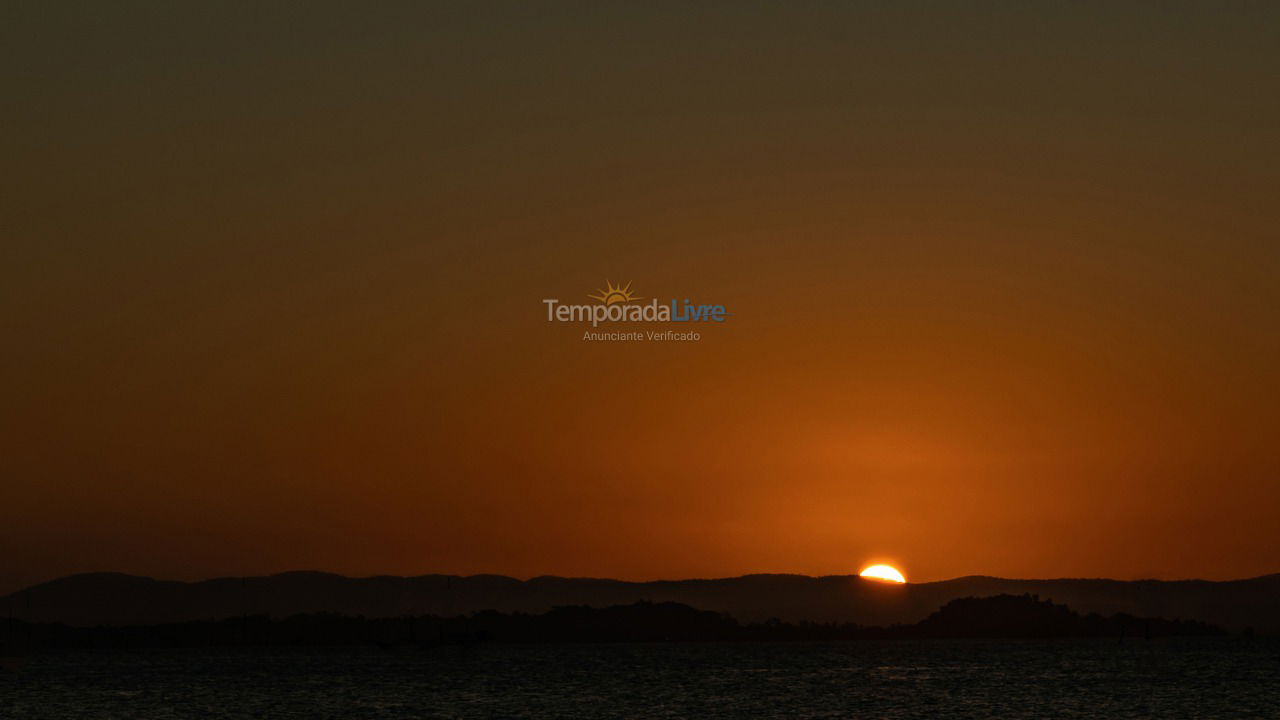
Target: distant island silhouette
1001, 616
115, 599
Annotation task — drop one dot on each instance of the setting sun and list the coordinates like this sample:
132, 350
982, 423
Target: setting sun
883, 572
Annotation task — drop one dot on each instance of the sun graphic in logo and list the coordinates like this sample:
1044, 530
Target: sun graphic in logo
614, 294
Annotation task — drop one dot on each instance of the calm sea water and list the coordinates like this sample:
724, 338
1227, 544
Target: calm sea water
1218, 678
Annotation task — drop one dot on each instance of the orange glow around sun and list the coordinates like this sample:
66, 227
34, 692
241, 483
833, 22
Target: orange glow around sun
886, 573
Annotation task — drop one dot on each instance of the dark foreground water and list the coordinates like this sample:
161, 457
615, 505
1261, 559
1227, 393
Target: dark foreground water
1217, 678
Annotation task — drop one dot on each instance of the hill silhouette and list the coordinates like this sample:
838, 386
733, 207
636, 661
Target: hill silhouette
1027, 616
1002, 616
117, 599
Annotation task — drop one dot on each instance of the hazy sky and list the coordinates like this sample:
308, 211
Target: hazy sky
1004, 284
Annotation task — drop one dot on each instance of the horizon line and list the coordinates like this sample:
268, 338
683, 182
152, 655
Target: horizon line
531, 578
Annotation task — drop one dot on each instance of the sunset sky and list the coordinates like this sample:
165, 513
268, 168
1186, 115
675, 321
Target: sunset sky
1005, 284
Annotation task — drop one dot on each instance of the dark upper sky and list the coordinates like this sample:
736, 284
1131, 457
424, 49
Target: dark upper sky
1004, 283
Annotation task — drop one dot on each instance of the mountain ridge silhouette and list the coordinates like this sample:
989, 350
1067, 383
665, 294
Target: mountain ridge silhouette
997, 617
109, 598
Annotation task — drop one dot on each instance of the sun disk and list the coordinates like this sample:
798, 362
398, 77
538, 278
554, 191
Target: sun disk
886, 573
